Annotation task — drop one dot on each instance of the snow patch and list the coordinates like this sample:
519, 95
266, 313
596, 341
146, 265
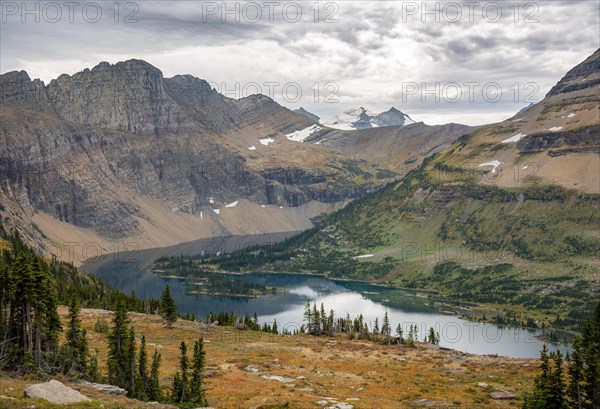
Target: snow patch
201, 216
517, 120
515, 138
494, 164
301, 135
267, 141
252, 148
525, 167
263, 206
571, 115
232, 204
364, 256
555, 128
211, 200
217, 211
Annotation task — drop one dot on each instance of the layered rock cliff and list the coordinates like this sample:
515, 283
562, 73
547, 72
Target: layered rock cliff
118, 150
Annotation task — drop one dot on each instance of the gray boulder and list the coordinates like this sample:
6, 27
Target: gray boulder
55, 392
502, 395
109, 389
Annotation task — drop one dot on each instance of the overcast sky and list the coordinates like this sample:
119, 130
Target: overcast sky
371, 54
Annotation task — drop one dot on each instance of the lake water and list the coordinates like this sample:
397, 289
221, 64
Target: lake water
131, 272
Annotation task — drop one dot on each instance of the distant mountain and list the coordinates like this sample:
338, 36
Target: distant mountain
361, 118
120, 152
307, 114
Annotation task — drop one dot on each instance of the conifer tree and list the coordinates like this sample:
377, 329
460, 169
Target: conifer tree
76, 346
316, 320
119, 349
590, 352
330, 323
376, 326
399, 331
33, 323
131, 369
308, 316
93, 372
142, 378
168, 308
557, 388
542, 393
574, 388
180, 391
386, 328
433, 337
154, 391
274, 328
197, 393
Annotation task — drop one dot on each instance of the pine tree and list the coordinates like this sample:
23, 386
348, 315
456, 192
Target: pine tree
386, 328
76, 346
433, 337
542, 384
275, 329
131, 368
32, 324
180, 391
142, 383
176, 388
154, 391
308, 316
168, 308
196, 388
574, 389
330, 323
399, 331
316, 320
376, 326
93, 372
324, 329
557, 387
119, 349
590, 352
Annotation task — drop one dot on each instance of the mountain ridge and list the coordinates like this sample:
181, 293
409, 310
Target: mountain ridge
118, 152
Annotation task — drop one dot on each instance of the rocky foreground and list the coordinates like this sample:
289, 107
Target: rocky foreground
248, 369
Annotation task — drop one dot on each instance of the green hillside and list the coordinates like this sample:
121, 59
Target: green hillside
528, 254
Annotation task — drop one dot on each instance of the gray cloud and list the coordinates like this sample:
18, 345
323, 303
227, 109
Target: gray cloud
371, 51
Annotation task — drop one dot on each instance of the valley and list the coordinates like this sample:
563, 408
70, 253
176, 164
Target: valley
167, 242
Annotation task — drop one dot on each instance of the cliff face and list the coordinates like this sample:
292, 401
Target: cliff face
118, 149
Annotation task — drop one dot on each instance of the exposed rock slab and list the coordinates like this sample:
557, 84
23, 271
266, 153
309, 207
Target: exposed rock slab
104, 388
55, 392
502, 395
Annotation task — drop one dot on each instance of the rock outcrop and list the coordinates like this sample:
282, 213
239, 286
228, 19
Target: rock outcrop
55, 392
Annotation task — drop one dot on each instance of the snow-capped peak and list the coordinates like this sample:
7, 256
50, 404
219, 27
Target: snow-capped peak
361, 118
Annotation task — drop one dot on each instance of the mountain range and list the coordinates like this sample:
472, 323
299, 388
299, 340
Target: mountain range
120, 153
507, 216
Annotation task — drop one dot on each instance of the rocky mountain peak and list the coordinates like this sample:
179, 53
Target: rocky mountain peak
307, 114
582, 76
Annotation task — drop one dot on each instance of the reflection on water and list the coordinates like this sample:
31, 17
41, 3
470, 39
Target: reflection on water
345, 298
